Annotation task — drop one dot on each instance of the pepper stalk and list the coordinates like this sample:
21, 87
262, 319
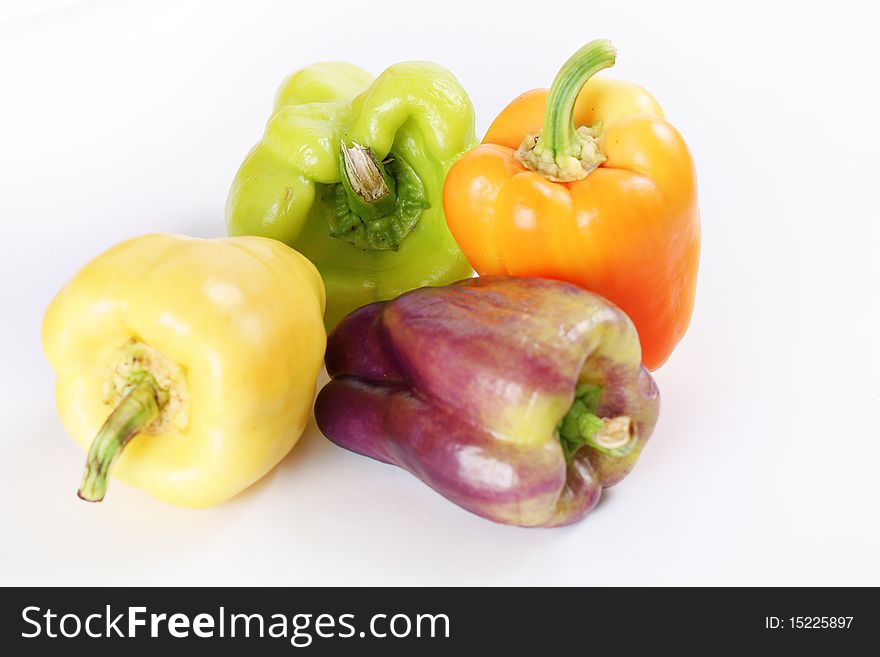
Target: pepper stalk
370, 189
614, 436
564, 152
135, 412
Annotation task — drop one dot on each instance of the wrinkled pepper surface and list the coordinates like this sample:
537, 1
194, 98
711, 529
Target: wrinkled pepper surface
587, 183
350, 173
186, 365
518, 399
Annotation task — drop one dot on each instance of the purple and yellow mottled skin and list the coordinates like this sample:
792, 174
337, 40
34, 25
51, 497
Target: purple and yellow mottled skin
465, 386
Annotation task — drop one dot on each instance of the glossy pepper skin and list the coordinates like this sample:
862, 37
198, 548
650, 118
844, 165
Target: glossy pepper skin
350, 173
611, 207
194, 361
518, 399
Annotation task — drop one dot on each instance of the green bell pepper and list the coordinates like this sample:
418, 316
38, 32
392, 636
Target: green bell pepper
350, 173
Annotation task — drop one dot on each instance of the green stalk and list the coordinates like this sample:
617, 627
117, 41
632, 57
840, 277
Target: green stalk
135, 412
560, 134
581, 426
369, 187
563, 151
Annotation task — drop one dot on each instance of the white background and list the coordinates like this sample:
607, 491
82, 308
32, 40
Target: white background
120, 118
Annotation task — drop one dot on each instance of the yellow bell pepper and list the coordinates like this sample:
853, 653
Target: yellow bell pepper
195, 361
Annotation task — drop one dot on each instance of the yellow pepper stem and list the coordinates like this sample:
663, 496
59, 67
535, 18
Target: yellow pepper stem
137, 410
564, 152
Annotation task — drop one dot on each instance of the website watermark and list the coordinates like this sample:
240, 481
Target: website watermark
137, 622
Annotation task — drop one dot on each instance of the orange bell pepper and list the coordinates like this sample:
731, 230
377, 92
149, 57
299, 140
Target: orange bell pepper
604, 197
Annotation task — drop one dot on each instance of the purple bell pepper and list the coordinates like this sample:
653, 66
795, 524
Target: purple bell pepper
518, 399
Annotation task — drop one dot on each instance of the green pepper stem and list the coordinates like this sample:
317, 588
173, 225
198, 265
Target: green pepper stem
614, 436
563, 151
137, 410
560, 133
369, 187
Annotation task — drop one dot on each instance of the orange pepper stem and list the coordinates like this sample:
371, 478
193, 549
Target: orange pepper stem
137, 410
563, 151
